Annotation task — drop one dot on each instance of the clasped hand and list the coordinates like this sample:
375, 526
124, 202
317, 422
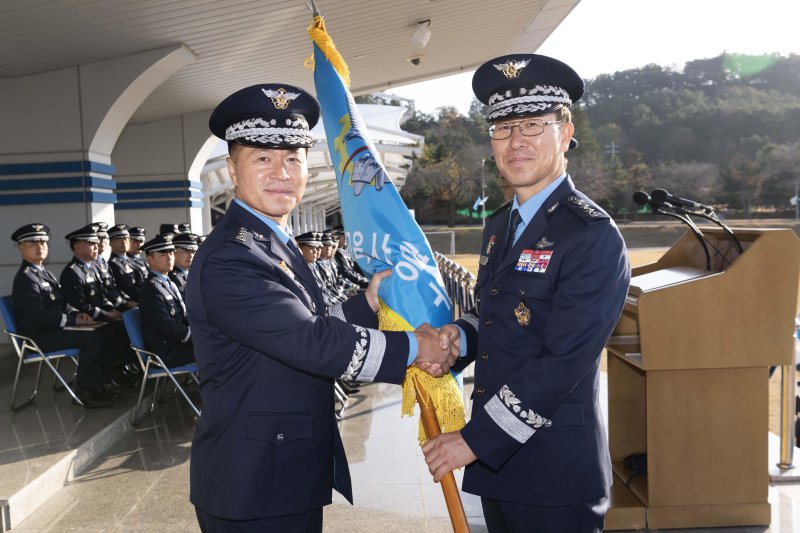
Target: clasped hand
437, 349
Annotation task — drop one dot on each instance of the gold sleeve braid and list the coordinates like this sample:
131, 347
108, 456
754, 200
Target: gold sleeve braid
443, 392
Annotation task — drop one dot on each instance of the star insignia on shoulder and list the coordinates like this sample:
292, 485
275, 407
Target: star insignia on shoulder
543, 243
586, 208
242, 235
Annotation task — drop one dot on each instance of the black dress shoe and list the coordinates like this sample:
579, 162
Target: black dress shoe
93, 398
111, 392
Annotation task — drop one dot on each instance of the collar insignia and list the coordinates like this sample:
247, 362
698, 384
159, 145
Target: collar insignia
280, 98
512, 69
552, 208
543, 243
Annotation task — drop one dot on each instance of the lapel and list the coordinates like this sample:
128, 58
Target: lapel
535, 228
280, 252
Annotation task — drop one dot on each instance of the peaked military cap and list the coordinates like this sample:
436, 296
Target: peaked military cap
168, 229
87, 233
310, 238
32, 232
119, 231
327, 237
200, 239
159, 243
137, 233
270, 115
187, 241
519, 85
184, 228
102, 230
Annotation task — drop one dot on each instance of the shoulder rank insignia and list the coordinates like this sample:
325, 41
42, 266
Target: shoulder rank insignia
241, 236
543, 243
586, 208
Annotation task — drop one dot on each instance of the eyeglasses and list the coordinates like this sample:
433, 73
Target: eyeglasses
528, 128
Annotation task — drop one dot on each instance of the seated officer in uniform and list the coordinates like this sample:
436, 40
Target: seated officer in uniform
164, 324
134, 254
185, 248
345, 264
310, 245
266, 451
121, 301
120, 265
42, 313
552, 279
83, 290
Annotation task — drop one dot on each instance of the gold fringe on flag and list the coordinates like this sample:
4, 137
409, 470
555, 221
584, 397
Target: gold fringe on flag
443, 392
324, 42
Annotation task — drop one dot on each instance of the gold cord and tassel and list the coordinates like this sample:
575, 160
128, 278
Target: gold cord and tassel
442, 392
325, 44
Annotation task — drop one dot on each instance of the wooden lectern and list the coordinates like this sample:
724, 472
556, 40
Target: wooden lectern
688, 380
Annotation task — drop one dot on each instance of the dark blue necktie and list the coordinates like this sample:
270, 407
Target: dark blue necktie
516, 219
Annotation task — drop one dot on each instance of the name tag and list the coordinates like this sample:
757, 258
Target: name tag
483, 260
45, 285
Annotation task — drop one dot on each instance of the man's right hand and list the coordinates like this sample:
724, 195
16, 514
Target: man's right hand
82, 319
434, 355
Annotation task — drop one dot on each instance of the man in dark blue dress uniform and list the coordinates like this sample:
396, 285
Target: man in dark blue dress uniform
551, 284
185, 248
84, 291
267, 452
120, 265
138, 236
164, 323
43, 313
121, 300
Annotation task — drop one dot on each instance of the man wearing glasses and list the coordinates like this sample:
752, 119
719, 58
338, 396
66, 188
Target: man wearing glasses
552, 279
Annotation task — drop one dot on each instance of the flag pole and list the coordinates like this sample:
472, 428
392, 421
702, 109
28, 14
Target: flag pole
452, 498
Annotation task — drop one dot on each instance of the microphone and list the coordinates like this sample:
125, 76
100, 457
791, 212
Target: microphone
658, 205
662, 196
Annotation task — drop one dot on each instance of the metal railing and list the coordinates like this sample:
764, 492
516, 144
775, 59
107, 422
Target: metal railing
459, 284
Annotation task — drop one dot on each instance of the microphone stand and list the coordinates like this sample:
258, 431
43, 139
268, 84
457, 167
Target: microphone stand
715, 219
684, 217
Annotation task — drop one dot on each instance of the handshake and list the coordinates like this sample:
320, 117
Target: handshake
437, 349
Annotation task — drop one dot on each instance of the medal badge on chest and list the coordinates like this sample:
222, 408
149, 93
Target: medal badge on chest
523, 314
534, 261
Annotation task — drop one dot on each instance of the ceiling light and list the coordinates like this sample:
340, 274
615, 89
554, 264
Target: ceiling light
422, 34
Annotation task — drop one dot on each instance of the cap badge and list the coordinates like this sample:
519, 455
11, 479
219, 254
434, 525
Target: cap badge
37, 227
511, 69
281, 97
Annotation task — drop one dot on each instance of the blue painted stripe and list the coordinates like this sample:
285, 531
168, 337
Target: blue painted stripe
57, 183
159, 194
57, 167
158, 205
57, 198
168, 184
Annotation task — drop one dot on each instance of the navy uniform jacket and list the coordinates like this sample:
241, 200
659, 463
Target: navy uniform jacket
84, 291
39, 302
348, 269
112, 293
140, 267
164, 321
536, 426
267, 443
126, 275
178, 277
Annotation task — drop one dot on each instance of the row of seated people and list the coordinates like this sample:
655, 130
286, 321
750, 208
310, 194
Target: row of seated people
334, 270
82, 309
